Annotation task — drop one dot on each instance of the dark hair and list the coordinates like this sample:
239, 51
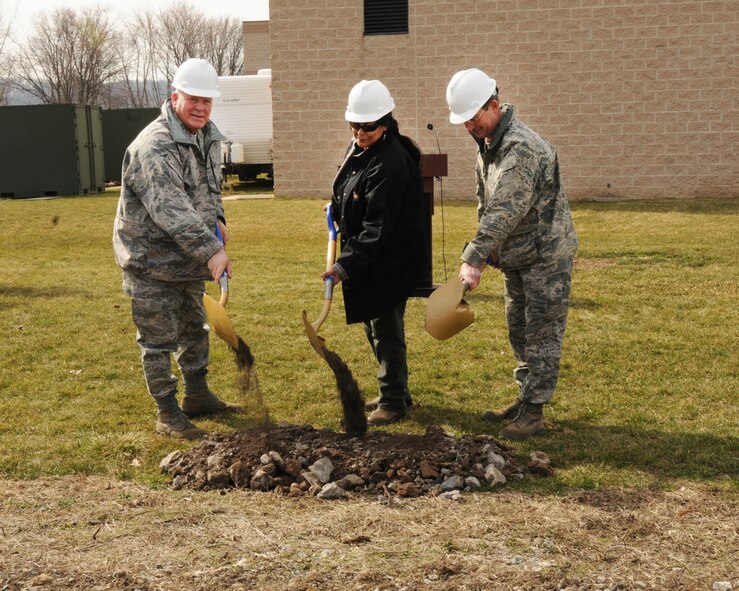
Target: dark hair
410, 146
493, 97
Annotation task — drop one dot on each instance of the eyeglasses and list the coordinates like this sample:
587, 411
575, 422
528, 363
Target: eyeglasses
365, 127
477, 116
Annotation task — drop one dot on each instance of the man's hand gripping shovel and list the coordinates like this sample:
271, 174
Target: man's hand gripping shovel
311, 328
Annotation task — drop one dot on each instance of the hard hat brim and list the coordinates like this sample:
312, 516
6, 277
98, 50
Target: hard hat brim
353, 117
200, 92
463, 117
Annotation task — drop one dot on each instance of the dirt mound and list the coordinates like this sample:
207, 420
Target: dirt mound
298, 460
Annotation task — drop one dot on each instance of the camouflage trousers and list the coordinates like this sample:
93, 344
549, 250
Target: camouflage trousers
536, 304
170, 319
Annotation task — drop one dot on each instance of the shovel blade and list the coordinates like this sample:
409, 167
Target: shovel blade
318, 343
218, 319
446, 311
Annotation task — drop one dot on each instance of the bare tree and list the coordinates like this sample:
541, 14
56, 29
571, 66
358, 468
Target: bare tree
224, 45
186, 33
139, 49
5, 27
181, 35
69, 56
75, 56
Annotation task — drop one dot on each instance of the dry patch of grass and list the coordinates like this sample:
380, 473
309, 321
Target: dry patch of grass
100, 533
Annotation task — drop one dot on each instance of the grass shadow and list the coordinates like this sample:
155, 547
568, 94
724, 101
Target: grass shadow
577, 443
694, 456
41, 292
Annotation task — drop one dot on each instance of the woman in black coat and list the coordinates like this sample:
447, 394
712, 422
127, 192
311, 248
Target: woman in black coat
376, 201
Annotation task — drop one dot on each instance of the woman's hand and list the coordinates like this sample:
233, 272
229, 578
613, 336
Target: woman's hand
326, 274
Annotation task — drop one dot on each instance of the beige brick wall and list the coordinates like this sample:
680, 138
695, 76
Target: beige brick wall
257, 54
639, 97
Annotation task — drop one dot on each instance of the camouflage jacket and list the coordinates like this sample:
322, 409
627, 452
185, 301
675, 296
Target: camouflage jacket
523, 215
170, 201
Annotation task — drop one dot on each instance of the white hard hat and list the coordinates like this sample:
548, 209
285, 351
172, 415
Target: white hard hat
468, 90
197, 77
369, 101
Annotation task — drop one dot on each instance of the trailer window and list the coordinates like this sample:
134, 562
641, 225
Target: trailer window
385, 17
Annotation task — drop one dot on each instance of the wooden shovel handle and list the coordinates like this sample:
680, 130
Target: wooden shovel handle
224, 289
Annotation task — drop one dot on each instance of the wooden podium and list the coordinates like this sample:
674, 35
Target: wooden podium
432, 166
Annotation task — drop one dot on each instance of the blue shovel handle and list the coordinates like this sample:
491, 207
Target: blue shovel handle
224, 276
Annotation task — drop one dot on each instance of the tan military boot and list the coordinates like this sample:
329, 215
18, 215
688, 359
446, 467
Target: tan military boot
504, 414
195, 405
174, 424
528, 422
199, 400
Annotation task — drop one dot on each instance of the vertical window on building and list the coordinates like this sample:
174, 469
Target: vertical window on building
385, 17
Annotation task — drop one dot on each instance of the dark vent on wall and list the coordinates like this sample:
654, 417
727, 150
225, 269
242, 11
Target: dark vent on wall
385, 17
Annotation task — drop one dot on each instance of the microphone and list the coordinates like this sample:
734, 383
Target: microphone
430, 127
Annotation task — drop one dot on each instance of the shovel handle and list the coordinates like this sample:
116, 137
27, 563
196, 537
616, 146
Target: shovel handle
223, 281
332, 231
328, 283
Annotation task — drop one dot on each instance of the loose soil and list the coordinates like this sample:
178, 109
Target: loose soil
279, 458
97, 533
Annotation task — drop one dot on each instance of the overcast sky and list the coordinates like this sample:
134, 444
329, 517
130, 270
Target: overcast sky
22, 11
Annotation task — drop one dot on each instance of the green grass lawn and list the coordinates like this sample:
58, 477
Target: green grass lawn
647, 394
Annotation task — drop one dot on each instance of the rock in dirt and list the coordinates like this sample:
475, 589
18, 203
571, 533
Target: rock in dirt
261, 481
540, 464
168, 460
298, 460
331, 491
493, 476
322, 468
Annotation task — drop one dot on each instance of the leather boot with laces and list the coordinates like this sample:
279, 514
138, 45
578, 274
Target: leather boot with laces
528, 422
172, 422
199, 400
504, 414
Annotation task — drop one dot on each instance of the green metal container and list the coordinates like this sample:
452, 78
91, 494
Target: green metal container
120, 128
51, 150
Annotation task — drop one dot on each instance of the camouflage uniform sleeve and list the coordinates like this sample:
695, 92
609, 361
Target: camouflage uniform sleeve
508, 192
479, 191
158, 181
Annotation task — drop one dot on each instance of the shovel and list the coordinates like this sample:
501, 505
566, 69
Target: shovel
216, 311
311, 328
352, 401
447, 313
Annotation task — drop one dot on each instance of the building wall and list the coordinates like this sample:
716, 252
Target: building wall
257, 55
639, 97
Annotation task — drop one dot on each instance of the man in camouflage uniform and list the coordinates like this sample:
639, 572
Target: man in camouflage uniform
165, 243
525, 229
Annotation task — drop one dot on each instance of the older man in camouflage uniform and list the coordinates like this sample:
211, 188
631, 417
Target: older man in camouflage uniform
165, 243
525, 229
